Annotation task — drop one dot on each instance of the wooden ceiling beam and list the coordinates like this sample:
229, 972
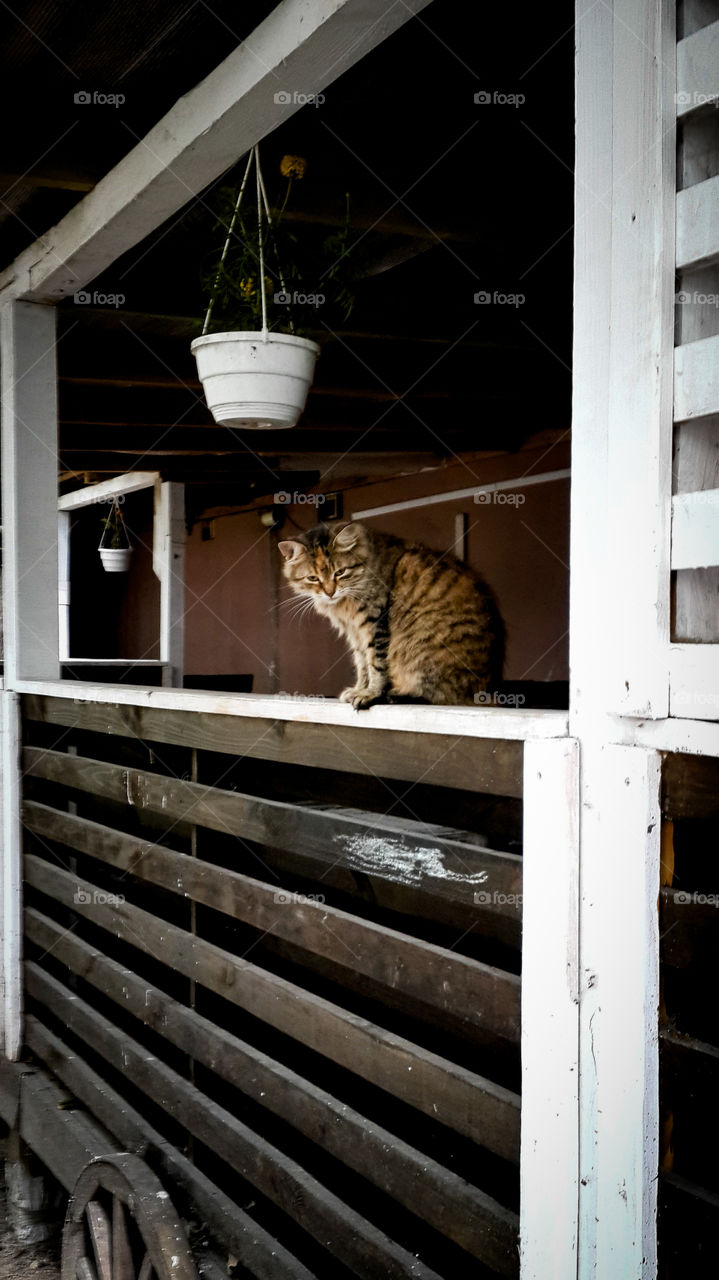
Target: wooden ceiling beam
299, 49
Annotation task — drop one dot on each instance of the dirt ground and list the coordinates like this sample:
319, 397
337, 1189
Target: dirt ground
24, 1262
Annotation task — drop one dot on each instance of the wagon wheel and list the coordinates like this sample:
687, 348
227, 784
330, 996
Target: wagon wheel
121, 1225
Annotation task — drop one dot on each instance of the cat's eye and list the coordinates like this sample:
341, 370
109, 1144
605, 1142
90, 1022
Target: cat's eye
340, 573
311, 578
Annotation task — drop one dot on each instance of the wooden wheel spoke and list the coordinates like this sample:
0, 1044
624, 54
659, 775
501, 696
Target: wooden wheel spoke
146, 1268
122, 1225
99, 1225
123, 1267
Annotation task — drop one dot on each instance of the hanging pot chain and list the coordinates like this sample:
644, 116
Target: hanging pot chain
262, 202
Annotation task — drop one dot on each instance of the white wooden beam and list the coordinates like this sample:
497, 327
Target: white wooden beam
477, 492
168, 562
115, 488
29, 491
550, 1014
698, 225
696, 379
697, 61
300, 48
695, 530
619, 1012
624, 318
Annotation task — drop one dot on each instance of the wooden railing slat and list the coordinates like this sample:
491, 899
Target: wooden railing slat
473, 993
478, 1108
475, 764
698, 225
413, 854
697, 57
443, 1200
350, 1238
255, 1249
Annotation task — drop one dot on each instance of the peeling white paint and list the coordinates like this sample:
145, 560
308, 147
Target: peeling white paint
409, 866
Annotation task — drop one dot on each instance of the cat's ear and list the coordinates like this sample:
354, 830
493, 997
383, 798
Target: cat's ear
290, 550
348, 536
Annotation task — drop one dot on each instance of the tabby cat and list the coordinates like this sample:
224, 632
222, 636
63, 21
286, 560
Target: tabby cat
421, 626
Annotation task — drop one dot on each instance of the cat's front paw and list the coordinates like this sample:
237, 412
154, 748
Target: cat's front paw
361, 696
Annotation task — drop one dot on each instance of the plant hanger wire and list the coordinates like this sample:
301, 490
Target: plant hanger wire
114, 529
262, 202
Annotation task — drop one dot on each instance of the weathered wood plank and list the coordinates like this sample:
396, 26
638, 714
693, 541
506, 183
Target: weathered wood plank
697, 58
448, 1093
445, 1201
695, 530
698, 225
690, 929
50, 1124
465, 990
474, 764
690, 786
696, 379
349, 1237
256, 1250
415, 854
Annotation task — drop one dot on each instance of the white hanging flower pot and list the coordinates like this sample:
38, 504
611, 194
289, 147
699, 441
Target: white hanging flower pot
255, 380
116, 559
115, 547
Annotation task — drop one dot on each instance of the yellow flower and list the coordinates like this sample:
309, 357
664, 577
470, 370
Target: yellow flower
293, 167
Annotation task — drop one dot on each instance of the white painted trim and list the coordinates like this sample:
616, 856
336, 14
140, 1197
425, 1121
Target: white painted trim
461, 722
694, 681
300, 49
11, 882
29, 491
63, 583
114, 662
549, 1166
168, 562
457, 495
698, 225
693, 737
697, 62
624, 322
619, 1011
132, 482
695, 529
696, 379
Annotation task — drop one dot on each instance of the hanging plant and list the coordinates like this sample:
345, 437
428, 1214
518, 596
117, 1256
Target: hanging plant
268, 287
115, 547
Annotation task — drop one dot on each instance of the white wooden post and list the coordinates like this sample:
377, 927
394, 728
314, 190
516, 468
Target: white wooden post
550, 1013
29, 492
30, 591
63, 543
624, 315
619, 1011
168, 562
11, 884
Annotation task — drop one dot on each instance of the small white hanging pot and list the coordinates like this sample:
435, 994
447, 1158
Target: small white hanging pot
115, 547
255, 380
116, 559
